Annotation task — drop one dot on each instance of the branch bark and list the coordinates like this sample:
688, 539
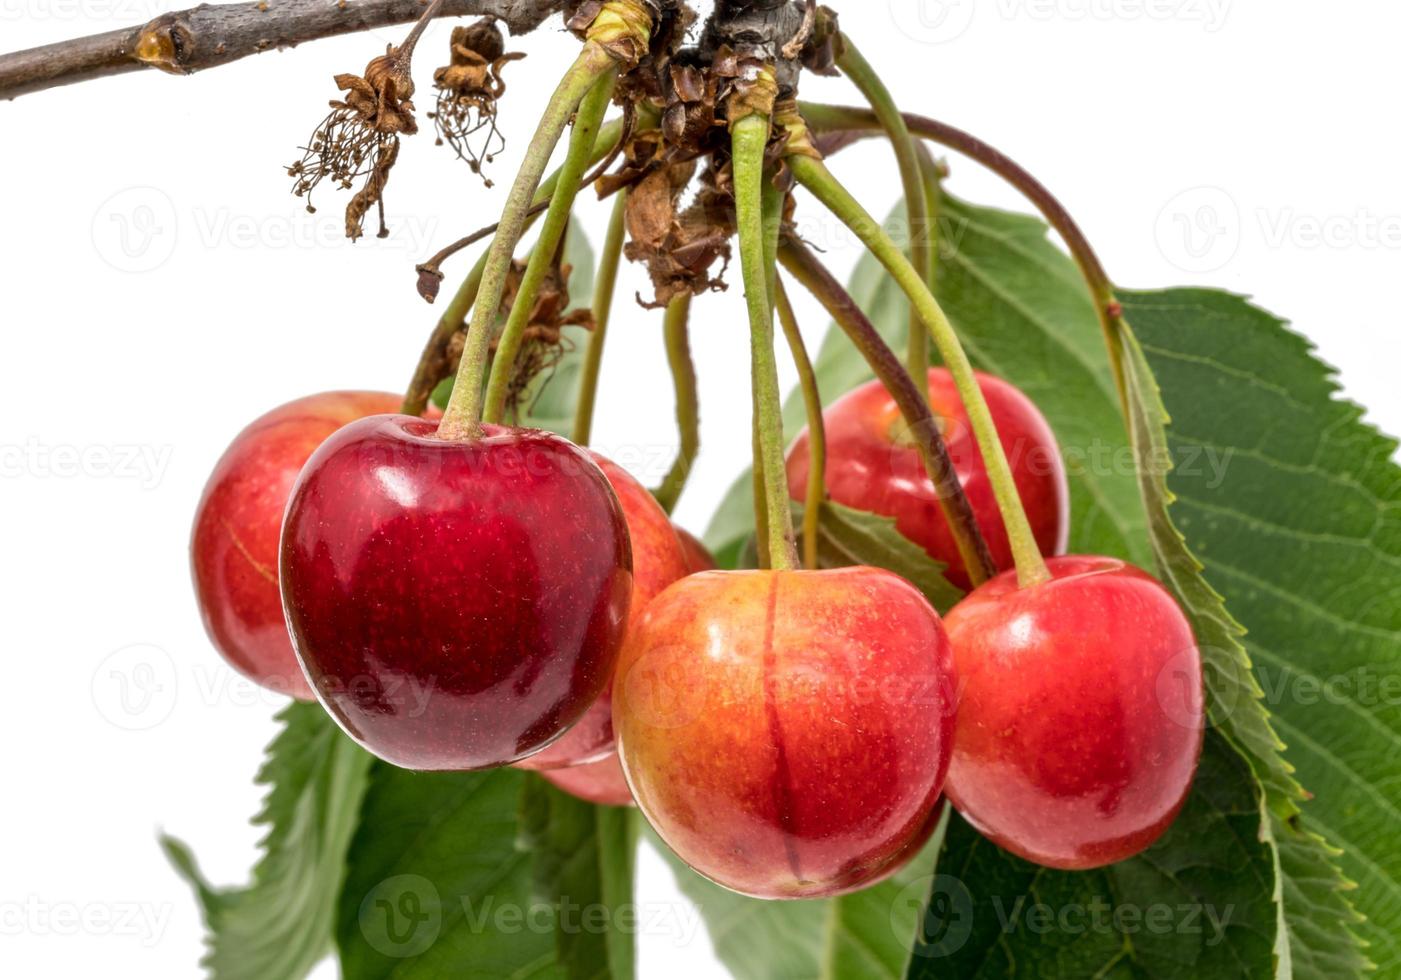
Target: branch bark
187, 41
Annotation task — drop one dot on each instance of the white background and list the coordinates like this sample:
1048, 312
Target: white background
1266, 130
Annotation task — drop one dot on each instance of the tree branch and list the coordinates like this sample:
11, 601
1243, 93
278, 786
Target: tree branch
187, 41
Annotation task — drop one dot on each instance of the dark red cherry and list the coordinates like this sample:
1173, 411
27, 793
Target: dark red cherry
456, 605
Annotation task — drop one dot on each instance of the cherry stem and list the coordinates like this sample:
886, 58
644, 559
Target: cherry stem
912, 400
463, 418
542, 258
854, 65
749, 136
814, 175
605, 284
817, 430
683, 378
861, 122
433, 364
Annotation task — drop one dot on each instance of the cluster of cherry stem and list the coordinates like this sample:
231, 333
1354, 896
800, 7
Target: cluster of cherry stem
584, 94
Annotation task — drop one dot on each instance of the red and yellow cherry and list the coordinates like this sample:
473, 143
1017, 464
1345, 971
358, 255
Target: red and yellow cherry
874, 465
698, 556
787, 733
456, 605
233, 550
657, 561
1080, 715
599, 782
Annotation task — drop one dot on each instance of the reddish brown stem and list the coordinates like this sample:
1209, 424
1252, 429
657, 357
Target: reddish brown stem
798, 259
840, 126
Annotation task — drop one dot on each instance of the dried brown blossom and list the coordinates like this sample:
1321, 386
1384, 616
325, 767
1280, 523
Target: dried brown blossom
680, 246
359, 139
545, 343
823, 44
469, 87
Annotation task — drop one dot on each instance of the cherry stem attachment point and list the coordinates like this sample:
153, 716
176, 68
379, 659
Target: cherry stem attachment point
817, 432
911, 399
605, 284
463, 418
683, 377
749, 135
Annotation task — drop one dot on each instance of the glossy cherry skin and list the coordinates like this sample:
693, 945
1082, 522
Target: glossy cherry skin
873, 465
787, 733
233, 548
657, 561
597, 782
1080, 715
456, 605
698, 556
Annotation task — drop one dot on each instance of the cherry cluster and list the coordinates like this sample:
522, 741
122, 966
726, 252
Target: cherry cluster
514, 599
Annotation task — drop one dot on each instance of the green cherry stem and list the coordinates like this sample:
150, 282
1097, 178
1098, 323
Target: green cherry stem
463, 418
817, 431
433, 366
854, 65
605, 285
581, 142
749, 136
814, 175
683, 377
912, 400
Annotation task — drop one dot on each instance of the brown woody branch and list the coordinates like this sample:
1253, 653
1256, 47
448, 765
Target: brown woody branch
207, 36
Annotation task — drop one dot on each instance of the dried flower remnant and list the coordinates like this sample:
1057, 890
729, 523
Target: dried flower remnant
545, 342
469, 88
359, 139
680, 246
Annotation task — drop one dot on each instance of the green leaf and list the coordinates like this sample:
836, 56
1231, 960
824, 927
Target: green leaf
280, 926
853, 537
1293, 505
437, 885
584, 860
1196, 904
863, 936
489, 874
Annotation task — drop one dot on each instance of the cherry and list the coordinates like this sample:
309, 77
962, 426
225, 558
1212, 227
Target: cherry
597, 782
698, 556
1080, 714
657, 561
872, 465
233, 549
456, 605
787, 733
